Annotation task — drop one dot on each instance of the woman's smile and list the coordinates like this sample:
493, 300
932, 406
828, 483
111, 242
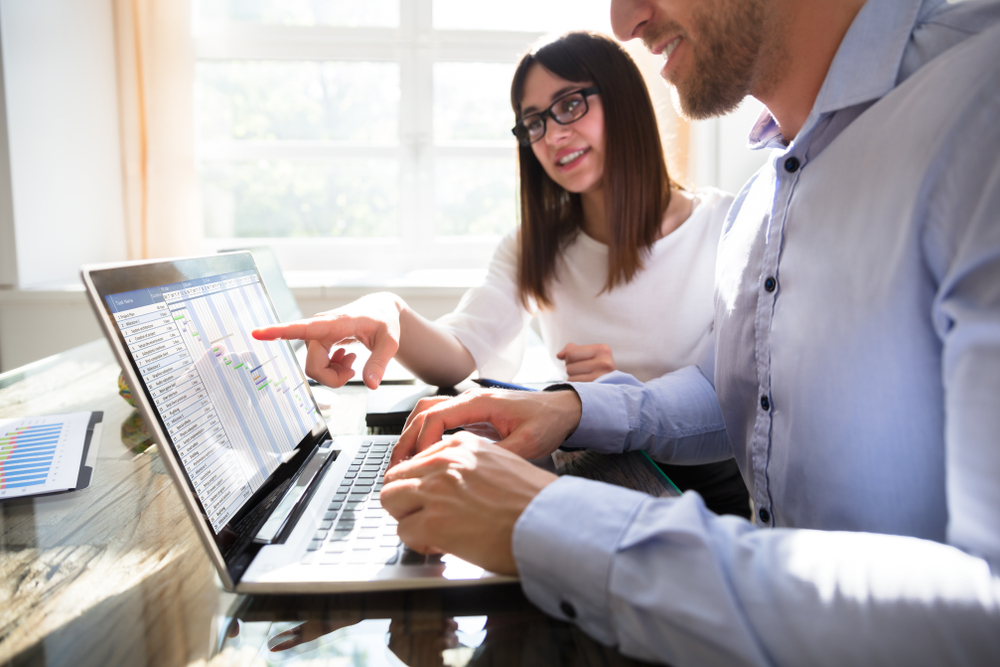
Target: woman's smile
569, 158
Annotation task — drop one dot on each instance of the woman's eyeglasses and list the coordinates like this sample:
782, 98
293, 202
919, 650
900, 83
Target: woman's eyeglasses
567, 109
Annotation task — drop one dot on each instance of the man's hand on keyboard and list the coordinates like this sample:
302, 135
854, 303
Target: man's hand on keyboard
463, 496
531, 424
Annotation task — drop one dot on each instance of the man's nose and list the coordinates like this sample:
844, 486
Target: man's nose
629, 18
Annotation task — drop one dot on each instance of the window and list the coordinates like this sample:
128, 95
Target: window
346, 133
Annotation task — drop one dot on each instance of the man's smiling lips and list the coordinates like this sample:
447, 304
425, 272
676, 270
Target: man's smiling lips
669, 48
666, 47
657, 45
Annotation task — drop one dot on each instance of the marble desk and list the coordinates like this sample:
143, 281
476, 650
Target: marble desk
114, 574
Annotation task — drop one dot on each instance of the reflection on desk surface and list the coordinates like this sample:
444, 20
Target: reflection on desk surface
461, 628
115, 574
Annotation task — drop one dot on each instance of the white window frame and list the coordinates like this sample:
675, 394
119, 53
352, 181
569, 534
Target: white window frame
416, 46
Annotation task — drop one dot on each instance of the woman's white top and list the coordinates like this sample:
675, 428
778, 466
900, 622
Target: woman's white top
658, 322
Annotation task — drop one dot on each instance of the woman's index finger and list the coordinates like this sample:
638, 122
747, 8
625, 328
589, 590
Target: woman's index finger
289, 331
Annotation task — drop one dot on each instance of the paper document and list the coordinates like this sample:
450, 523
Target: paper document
42, 454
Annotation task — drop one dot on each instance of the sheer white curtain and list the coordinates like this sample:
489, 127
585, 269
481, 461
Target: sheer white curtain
155, 95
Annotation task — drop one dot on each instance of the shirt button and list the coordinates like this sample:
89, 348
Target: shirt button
792, 165
567, 609
764, 403
770, 284
764, 515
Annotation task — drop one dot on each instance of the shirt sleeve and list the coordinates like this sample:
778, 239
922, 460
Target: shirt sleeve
666, 580
962, 243
490, 320
675, 418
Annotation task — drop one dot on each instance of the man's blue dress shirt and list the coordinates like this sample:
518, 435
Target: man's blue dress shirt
856, 373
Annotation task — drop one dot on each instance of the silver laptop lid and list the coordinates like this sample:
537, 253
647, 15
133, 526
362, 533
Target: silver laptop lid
236, 413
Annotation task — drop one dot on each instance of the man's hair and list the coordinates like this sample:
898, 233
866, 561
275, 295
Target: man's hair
635, 181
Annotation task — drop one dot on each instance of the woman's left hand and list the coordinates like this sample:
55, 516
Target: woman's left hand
587, 362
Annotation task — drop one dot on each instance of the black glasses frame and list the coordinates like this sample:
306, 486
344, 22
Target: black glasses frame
521, 131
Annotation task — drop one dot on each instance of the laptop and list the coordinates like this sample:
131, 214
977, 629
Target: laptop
279, 505
288, 311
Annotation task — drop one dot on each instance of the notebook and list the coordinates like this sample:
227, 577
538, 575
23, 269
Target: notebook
279, 505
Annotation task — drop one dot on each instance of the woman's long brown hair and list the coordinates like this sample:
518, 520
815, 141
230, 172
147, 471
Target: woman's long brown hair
635, 181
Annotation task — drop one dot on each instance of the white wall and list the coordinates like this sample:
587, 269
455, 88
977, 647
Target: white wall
8, 254
60, 172
719, 155
35, 324
62, 121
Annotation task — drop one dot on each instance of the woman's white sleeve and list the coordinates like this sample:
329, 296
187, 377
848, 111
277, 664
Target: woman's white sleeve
490, 320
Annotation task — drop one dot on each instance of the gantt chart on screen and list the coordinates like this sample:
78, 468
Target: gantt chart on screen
233, 406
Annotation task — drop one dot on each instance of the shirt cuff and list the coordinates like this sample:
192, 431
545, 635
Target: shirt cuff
604, 420
564, 543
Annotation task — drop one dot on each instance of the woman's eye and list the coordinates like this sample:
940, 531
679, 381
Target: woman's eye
567, 105
533, 124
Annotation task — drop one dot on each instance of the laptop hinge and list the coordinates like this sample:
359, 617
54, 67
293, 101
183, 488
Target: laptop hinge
296, 498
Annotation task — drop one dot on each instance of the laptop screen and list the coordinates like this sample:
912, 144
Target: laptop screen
234, 408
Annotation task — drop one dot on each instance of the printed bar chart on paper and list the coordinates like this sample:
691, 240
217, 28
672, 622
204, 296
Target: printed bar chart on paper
42, 454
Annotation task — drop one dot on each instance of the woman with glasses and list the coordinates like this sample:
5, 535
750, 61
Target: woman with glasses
614, 258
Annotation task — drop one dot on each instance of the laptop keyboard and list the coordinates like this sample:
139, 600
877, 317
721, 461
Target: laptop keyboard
355, 529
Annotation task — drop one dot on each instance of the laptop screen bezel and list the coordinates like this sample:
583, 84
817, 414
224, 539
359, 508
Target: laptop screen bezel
234, 543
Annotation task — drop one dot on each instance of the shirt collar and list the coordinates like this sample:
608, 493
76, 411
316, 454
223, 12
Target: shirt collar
865, 68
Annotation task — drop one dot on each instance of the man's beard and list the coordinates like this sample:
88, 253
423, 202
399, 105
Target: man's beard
729, 43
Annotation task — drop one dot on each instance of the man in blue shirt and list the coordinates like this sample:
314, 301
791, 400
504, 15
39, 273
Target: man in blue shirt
856, 372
